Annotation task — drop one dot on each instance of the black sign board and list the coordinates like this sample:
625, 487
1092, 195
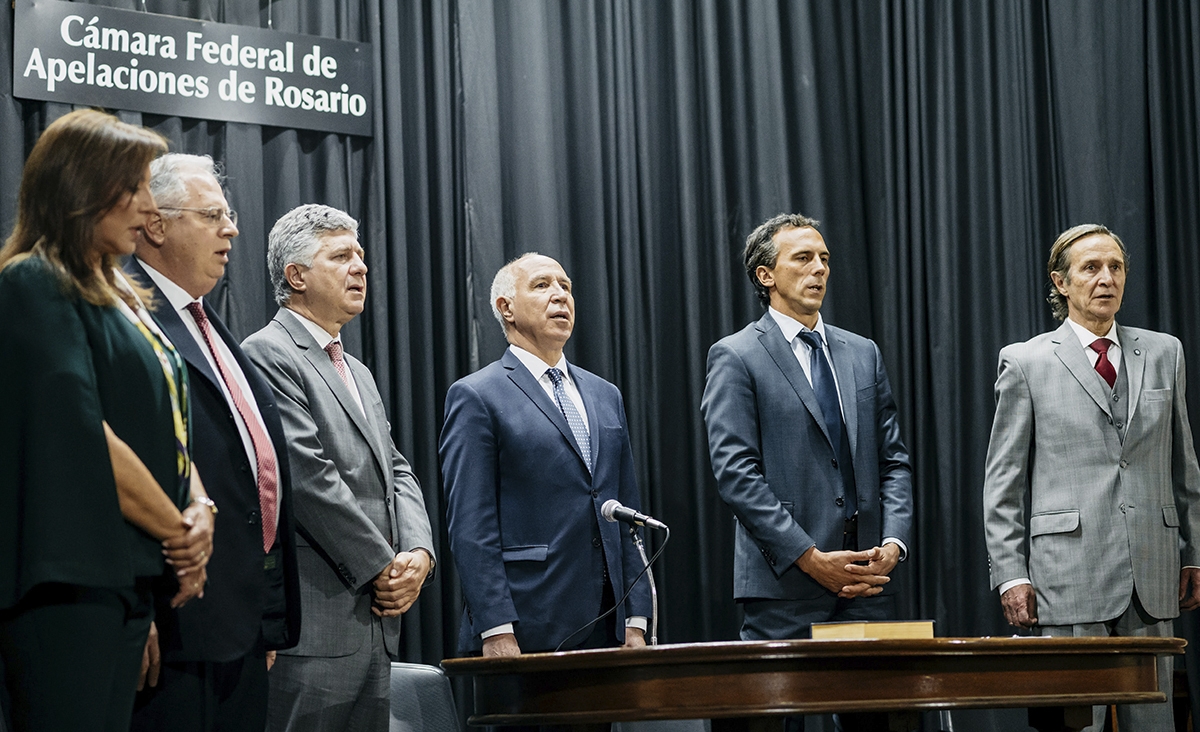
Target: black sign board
122, 59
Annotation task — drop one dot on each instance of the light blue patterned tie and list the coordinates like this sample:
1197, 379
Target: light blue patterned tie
574, 419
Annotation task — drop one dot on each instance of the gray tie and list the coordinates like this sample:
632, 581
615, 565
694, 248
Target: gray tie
574, 419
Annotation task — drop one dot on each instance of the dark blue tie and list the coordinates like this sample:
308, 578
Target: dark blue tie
825, 388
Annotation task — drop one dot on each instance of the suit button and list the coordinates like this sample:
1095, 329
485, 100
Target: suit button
1110, 421
596, 542
595, 494
1124, 463
252, 518
840, 501
245, 467
1116, 397
1122, 507
1120, 425
833, 462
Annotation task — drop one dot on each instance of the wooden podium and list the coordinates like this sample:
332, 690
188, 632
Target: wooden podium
753, 685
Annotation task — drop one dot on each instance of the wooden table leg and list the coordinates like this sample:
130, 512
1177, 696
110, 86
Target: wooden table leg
1060, 719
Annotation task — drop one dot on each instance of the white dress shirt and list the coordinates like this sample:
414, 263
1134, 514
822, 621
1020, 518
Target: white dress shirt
323, 340
1087, 337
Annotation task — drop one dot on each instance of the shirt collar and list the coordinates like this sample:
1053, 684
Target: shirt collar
790, 327
1087, 337
319, 334
537, 366
176, 295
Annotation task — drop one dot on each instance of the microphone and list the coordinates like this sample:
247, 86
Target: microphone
613, 511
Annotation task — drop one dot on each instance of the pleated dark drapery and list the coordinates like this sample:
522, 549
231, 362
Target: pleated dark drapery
943, 146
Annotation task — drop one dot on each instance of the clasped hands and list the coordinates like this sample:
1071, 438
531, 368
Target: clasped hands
397, 586
188, 552
851, 574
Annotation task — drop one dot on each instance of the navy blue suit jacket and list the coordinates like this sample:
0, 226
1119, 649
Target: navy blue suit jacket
775, 465
523, 512
240, 596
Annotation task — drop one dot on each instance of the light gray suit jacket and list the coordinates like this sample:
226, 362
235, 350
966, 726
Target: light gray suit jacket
1086, 516
357, 502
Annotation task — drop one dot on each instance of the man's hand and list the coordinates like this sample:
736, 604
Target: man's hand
1189, 588
398, 585
270, 659
189, 587
883, 559
151, 660
634, 638
1020, 606
504, 644
191, 550
838, 571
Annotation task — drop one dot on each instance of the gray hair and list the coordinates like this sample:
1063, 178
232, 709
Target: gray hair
762, 250
167, 175
295, 238
1060, 261
504, 284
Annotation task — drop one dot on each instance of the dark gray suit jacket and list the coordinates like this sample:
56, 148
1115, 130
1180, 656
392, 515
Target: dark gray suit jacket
774, 461
357, 502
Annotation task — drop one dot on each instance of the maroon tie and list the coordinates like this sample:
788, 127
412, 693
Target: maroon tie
264, 451
334, 349
1104, 367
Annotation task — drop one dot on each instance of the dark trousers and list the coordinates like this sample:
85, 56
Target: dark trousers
71, 657
790, 619
207, 696
602, 635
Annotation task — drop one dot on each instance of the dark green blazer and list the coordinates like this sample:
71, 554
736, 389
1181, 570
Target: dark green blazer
66, 366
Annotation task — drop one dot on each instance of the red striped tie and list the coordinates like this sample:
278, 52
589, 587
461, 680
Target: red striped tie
264, 451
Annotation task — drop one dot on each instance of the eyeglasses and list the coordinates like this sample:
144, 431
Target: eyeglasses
212, 216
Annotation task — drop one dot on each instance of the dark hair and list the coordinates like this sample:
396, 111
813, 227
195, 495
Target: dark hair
762, 250
79, 169
1060, 261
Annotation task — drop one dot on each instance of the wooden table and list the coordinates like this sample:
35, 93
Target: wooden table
752, 685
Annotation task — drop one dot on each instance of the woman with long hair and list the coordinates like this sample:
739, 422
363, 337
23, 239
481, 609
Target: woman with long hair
97, 489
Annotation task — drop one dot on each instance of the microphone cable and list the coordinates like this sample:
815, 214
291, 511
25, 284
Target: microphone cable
619, 603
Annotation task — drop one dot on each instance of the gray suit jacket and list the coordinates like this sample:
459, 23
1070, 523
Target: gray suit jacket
775, 465
357, 502
1087, 517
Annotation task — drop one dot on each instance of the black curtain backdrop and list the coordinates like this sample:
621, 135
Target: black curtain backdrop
943, 146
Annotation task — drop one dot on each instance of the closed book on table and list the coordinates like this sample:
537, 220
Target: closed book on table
874, 629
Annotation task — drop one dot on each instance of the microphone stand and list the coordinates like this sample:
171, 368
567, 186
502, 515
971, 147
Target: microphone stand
637, 541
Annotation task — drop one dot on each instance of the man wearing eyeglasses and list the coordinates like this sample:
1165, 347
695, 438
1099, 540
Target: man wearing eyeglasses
216, 650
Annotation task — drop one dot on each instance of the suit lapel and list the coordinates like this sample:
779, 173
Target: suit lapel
377, 422
589, 403
843, 369
781, 352
319, 360
524, 381
1070, 352
1133, 361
